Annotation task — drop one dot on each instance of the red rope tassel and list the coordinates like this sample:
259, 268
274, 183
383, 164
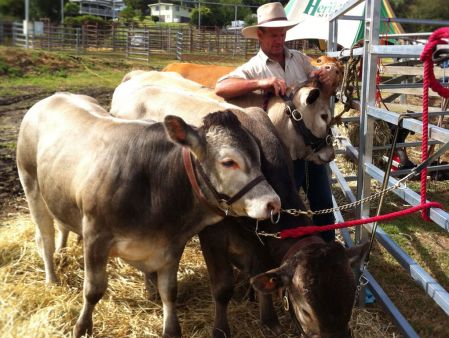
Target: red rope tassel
429, 81
307, 230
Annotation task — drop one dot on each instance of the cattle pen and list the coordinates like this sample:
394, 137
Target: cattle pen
399, 83
400, 77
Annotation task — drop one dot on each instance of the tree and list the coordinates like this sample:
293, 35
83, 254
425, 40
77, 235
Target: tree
207, 16
44, 9
12, 8
250, 20
71, 9
127, 14
141, 5
220, 14
38, 9
431, 10
421, 9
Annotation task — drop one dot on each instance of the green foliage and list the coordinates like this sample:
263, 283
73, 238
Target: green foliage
432, 10
421, 9
78, 21
140, 5
250, 20
219, 15
127, 14
12, 8
45, 9
8, 70
207, 17
259, 3
38, 9
155, 18
71, 9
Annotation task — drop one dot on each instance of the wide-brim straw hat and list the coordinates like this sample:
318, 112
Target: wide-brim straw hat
271, 15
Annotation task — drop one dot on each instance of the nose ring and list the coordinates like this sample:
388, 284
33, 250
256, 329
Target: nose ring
275, 221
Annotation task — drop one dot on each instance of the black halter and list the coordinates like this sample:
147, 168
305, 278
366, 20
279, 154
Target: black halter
316, 143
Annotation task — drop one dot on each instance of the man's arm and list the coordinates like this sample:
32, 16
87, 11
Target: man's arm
233, 87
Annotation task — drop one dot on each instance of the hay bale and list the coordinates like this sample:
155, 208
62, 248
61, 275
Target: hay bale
29, 308
351, 130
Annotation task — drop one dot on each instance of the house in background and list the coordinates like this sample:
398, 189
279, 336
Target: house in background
108, 9
170, 12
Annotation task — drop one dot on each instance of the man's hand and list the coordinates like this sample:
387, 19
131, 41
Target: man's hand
327, 78
277, 85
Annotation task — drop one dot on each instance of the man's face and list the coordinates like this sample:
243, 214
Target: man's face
272, 40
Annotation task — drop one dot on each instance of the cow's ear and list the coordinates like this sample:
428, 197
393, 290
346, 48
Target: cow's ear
357, 254
313, 95
180, 132
271, 281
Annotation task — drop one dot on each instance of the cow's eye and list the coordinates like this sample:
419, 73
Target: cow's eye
228, 163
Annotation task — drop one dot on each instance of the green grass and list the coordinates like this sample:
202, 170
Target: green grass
68, 81
8, 145
58, 71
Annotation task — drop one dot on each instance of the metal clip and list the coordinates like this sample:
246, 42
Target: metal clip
285, 302
223, 205
295, 117
363, 281
276, 235
440, 55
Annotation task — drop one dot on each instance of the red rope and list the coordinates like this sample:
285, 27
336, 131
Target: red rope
429, 81
307, 230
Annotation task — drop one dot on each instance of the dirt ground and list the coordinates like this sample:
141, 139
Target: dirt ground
12, 110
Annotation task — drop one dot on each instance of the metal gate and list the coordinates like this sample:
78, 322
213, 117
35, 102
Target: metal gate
371, 52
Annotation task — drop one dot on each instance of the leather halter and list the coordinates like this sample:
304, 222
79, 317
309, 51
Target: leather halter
302, 243
224, 202
316, 143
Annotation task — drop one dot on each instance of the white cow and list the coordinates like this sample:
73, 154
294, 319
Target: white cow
302, 123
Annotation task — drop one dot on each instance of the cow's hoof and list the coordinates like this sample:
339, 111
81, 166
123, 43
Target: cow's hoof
221, 333
274, 326
82, 328
51, 280
174, 333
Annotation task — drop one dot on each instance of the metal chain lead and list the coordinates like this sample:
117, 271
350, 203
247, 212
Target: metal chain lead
310, 213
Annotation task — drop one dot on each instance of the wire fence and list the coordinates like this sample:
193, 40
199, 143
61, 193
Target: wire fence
182, 42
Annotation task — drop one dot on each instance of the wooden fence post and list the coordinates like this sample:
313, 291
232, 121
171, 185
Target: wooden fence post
217, 37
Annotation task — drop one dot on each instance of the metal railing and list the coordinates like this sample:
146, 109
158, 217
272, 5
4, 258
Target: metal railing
371, 52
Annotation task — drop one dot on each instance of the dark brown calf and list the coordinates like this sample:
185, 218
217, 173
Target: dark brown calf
324, 268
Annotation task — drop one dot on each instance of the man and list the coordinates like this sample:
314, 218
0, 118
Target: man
273, 69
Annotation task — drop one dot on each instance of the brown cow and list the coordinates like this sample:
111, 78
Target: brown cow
126, 188
207, 75
332, 65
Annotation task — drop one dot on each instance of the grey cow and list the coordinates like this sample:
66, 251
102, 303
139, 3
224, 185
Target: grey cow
123, 187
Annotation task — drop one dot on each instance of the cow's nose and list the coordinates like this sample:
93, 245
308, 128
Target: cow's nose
274, 207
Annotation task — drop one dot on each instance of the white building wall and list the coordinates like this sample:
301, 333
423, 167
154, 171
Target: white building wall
169, 12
